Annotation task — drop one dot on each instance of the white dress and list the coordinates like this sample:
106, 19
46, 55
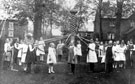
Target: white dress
20, 48
40, 48
114, 48
79, 50
24, 52
102, 53
51, 57
121, 53
92, 57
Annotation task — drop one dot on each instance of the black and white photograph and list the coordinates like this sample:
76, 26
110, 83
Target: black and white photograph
67, 41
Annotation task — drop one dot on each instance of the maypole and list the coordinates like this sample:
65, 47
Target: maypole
73, 25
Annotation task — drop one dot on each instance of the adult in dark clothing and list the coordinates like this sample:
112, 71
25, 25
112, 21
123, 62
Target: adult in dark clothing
128, 54
30, 57
109, 58
16, 44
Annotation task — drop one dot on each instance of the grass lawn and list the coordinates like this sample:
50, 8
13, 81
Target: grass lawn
62, 77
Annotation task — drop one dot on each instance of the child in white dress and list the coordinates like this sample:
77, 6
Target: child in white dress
102, 52
79, 50
23, 57
51, 57
20, 48
40, 52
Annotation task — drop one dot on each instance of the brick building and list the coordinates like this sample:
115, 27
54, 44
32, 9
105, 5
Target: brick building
127, 28
11, 29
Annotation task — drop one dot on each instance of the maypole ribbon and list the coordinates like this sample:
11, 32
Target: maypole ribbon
85, 39
68, 38
55, 39
82, 40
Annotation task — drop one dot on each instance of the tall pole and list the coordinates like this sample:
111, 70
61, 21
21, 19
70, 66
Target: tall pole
73, 25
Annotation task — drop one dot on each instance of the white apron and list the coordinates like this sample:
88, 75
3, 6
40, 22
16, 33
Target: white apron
20, 49
92, 57
79, 50
102, 53
117, 57
24, 53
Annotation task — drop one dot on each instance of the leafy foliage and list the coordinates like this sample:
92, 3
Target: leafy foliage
110, 10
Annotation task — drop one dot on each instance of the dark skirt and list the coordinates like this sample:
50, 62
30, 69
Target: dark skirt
128, 58
109, 60
133, 56
31, 56
15, 55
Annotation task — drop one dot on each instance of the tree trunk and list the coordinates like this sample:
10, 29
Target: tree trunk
98, 31
118, 19
37, 19
37, 27
96, 25
100, 16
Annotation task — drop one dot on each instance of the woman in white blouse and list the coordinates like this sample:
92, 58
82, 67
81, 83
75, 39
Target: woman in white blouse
121, 54
92, 56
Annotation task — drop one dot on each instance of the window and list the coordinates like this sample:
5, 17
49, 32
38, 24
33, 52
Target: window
112, 23
132, 23
111, 36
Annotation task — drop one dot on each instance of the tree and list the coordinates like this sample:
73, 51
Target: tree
118, 17
37, 19
37, 10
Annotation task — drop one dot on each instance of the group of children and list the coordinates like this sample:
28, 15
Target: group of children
115, 55
28, 52
23, 52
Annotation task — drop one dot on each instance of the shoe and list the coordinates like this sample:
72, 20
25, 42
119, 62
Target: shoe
25, 69
49, 71
52, 72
